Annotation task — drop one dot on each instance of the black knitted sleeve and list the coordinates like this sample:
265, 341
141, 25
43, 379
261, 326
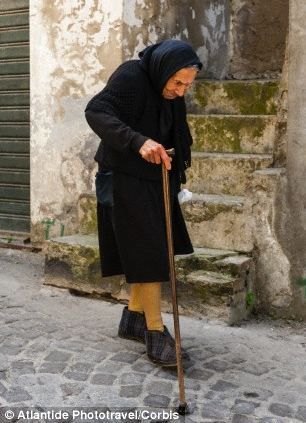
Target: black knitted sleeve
112, 112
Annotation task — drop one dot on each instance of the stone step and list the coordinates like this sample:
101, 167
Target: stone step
213, 221
224, 173
212, 283
233, 133
257, 97
218, 221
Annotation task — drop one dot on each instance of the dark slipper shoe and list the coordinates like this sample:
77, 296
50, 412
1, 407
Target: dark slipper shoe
185, 355
160, 349
132, 325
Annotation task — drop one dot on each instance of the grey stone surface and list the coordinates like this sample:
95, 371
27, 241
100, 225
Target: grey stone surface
109, 366
61, 368
103, 379
162, 388
215, 410
282, 410
223, 385
132, 378
239, 418
154, 400
76, 375
199, 374
58, 356
217, 365
125, 357
50, 367
143, 366
130, 391
301, 414
16, 394
243, 408
257, 368
2, 388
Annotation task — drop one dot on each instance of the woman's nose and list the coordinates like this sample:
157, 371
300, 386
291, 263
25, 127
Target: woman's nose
180, 91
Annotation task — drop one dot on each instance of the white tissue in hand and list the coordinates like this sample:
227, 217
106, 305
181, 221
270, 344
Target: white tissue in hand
184, 195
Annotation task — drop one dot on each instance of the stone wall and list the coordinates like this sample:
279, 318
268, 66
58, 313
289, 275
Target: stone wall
294, 235
258, 35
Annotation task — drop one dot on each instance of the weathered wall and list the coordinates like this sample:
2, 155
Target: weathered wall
241, 39
74, 47
296, 153
258, 34
280, 208
205, 24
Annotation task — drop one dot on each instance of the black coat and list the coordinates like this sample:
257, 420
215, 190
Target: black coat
127, 112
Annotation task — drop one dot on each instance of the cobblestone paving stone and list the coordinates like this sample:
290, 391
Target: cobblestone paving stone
60, 350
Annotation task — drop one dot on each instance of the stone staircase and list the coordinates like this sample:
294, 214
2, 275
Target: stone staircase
233, 126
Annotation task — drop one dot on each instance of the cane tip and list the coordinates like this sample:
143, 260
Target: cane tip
183, 409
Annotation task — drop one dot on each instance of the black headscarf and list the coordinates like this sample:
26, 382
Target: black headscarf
161, 61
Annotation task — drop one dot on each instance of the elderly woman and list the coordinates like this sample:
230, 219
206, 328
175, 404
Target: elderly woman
138, 115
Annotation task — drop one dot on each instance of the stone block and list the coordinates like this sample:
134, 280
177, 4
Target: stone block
154, 400
258, 36
74, 262
282, 410
255, 97
130, 391
233, 134
218, 221
267, 180
212, 294
102, 379
221, 173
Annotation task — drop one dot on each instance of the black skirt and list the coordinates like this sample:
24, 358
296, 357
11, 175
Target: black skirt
132, 233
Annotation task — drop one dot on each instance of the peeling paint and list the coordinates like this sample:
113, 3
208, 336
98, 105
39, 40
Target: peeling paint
204, 24
80, 43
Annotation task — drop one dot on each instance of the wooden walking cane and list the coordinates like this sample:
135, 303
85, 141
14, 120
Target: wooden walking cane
182, 408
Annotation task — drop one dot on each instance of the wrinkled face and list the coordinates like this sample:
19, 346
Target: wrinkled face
179, 83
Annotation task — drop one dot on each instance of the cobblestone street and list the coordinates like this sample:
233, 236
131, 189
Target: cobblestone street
61, 350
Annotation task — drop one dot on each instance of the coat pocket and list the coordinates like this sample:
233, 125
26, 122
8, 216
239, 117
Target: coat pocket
104, 188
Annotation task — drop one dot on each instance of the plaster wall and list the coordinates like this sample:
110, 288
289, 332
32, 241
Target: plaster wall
74, 48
